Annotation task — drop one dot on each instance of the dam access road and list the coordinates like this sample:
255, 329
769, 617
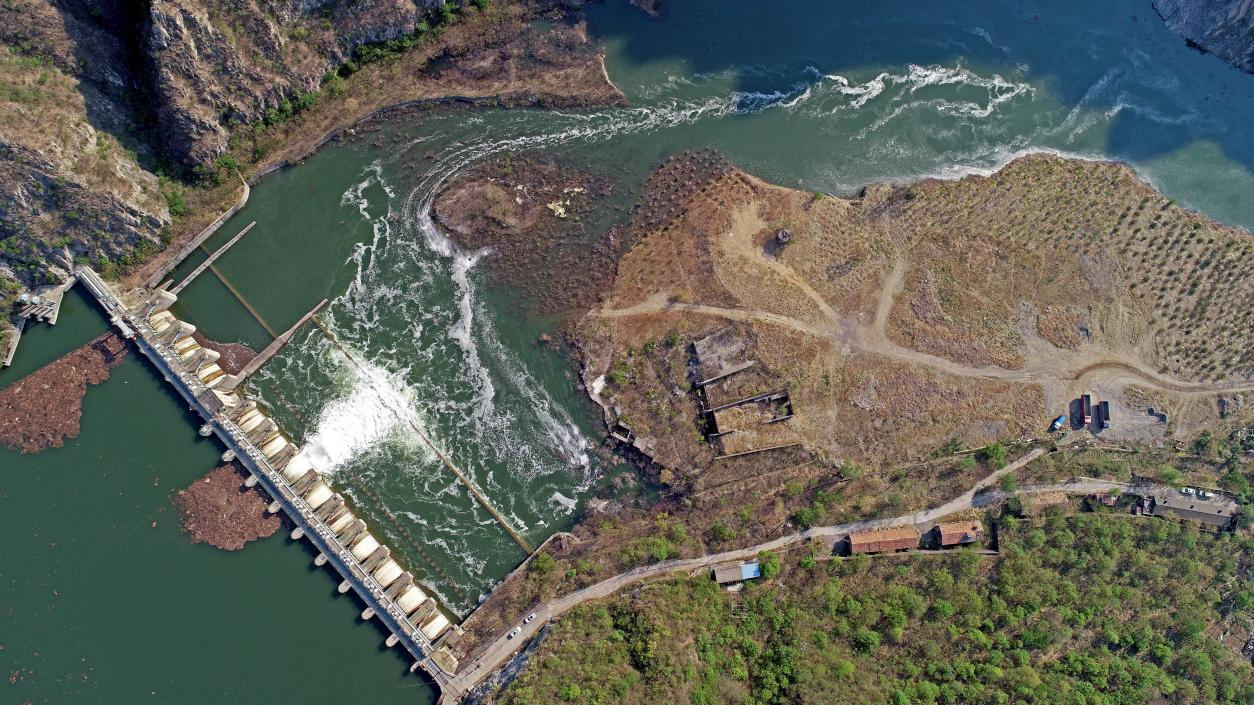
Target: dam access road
500, 651
455, 684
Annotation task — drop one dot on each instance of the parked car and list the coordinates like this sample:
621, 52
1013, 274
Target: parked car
529, 618
514, 633
1186, 490
1204, 494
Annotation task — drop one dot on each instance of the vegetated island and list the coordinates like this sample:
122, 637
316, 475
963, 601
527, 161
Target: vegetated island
533, 215
775, 359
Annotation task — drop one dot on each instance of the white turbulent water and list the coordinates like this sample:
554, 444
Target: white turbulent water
433, 358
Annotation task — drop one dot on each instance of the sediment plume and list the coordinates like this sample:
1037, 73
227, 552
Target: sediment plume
218, 510
44, 408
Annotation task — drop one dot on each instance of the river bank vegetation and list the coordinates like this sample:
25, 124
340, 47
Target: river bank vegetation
1093, 609
118, 192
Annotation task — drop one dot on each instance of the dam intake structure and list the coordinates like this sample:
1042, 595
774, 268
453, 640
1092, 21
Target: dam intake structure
412, 617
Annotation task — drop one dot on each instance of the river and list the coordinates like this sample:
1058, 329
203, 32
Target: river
98, 605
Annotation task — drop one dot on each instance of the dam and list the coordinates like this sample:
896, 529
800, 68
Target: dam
414, 620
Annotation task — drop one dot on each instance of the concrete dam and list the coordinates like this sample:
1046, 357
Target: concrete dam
366, 566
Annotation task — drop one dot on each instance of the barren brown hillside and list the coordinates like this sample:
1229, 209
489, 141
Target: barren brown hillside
911, 315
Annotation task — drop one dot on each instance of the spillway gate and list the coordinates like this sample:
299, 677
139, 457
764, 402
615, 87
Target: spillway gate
202, 399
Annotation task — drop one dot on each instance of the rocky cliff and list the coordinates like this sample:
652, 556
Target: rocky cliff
273, 51
99, 97
1223, 27
69, 188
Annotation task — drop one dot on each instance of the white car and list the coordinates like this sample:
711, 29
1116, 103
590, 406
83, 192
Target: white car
1204, 494
514, 633
1186, 490
529, 618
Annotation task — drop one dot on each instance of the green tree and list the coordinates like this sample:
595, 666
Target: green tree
866, 639
543, 564
806, 517
994, 455
770, 564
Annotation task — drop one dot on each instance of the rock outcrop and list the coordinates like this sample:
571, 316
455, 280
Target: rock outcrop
271, 51
98, 97
1222, 27
69, 187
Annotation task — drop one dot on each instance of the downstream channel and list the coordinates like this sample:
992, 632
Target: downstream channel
102, 600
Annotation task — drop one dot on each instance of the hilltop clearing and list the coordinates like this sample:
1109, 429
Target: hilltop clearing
911, 315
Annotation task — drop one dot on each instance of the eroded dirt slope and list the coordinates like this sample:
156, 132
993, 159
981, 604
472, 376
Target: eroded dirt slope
910, 315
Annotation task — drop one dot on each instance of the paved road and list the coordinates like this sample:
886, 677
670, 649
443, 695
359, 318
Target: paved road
980, 495
503, 648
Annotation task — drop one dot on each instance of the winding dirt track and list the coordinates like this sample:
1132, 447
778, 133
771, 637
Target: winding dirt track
849, 334
1044, 363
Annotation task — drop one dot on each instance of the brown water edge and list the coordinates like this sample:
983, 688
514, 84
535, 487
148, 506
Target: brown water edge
218, 510
534, 213
234, 356
44, 408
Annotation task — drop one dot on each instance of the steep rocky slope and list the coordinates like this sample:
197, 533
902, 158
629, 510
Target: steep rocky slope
67, 188
1222, 27
98, 98
272, 52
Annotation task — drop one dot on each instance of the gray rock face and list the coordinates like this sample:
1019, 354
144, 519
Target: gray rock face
1222, 27
46, 214
134, 86
216, 61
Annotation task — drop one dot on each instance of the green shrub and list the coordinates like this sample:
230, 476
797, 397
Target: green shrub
543, 564
806, 517
994, 455
770, 564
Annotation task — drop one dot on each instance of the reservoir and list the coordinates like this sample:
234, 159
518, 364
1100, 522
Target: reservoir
102, 600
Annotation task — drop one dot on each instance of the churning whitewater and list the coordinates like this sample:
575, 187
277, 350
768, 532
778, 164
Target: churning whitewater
432, 349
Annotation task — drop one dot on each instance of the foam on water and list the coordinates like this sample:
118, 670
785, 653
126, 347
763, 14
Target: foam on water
463, 334
379, 405
415, 312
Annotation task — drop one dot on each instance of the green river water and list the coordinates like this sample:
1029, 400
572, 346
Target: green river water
98, 605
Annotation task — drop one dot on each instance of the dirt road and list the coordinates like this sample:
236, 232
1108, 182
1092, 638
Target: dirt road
499, 651
851, 335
